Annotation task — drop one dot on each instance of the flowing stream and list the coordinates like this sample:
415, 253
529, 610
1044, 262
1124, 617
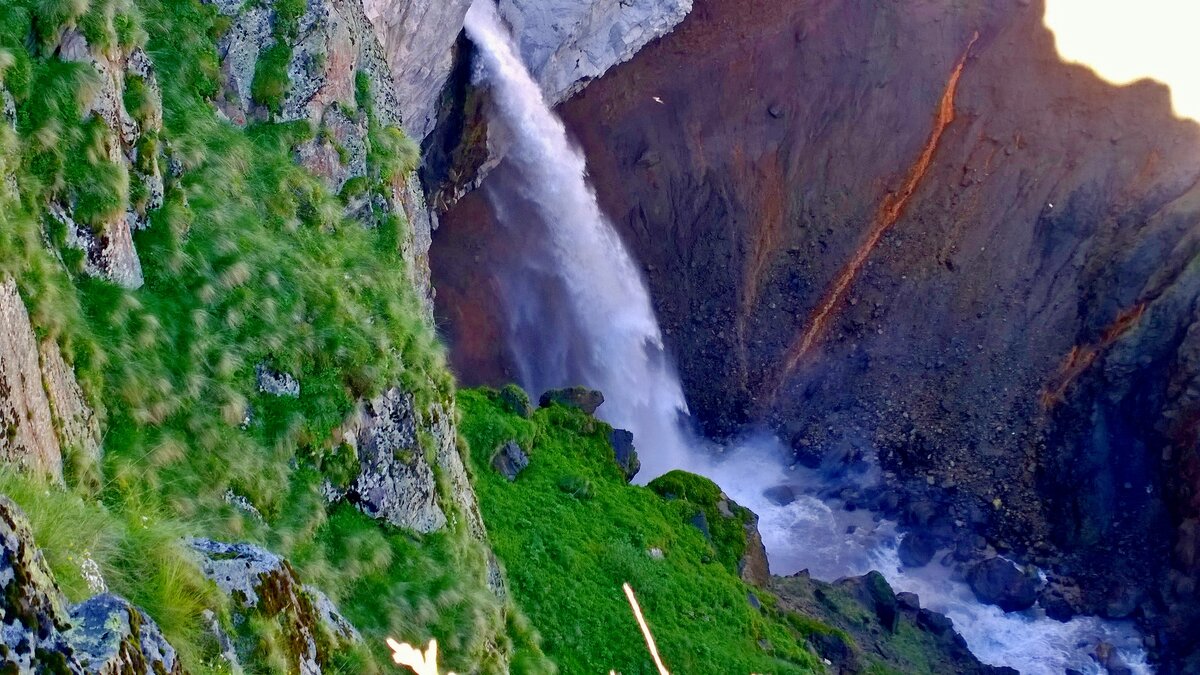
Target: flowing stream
579, 312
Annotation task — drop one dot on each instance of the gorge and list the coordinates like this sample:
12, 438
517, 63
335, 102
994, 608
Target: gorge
859, 335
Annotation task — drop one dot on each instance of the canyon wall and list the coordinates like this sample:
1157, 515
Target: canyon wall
914, 234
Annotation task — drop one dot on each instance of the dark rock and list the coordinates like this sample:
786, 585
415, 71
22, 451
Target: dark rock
104, 635
624, 453
587, 400
780, 495
1001, 583
753, 600
1122, 602
700, 522
1108, 658
515, 400
395, 482
935, 623
1061, 602
884, 599
775, 111
837, 650
510, 460
917, 549
909, 601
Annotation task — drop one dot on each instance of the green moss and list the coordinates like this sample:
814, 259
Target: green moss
271, 81
567, 558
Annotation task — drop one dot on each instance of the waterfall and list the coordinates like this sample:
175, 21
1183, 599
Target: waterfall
576, 302
579, 312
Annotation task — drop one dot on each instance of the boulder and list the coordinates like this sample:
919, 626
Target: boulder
1000, 582
510, 460
1060, 601
260, 582
109, 636
883, 599
104, 635
582, 398
780, 495
909, 601
917, 549
515, 400
276, 383
938, 624
624, 453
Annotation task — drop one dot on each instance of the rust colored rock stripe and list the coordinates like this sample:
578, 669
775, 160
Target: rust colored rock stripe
889, 212
1082, 357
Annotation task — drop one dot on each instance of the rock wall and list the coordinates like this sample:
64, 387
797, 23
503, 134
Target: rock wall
418, 37
568, 43
914, 234
42, 409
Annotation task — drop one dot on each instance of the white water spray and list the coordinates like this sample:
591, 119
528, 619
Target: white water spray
579, 313
576, 299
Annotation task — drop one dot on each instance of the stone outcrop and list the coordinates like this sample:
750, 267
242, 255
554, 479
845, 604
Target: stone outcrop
108, 247
418, 38
580, 398
104, 635
510, 460
27, 436
396, 482
568, 43
265, 584
915, 231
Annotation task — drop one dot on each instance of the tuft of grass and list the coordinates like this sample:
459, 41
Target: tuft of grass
567, 557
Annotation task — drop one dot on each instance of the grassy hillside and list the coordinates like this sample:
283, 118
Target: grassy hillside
571, 531
251, 259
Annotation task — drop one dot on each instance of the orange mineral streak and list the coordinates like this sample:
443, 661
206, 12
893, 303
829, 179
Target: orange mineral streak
889, 212
1082, 357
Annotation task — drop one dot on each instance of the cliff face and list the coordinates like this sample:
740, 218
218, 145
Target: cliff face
915, 233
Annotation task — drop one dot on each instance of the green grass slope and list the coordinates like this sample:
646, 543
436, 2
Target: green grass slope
570, 531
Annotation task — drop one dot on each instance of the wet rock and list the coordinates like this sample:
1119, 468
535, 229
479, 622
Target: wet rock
111, 637
1122, 602
516, 401
780, 495
275, 383
581, 398
909, 601
624, 453
1001, 583
1060, 601
510, 460
395, 481
917, 549
1107, 656
938, 624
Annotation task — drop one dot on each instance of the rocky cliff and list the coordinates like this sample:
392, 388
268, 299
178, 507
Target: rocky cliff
915, 235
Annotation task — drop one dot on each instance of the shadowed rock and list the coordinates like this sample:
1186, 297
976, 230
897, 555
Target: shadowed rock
510, 460
1001, 583
625, 453
582, 398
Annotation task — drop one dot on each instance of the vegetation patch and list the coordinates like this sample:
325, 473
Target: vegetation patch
567, 556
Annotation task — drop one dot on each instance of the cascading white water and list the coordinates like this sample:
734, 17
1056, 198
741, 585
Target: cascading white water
576, 298
580, 313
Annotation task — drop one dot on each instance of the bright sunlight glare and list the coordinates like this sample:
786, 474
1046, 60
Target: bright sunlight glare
1128, 40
